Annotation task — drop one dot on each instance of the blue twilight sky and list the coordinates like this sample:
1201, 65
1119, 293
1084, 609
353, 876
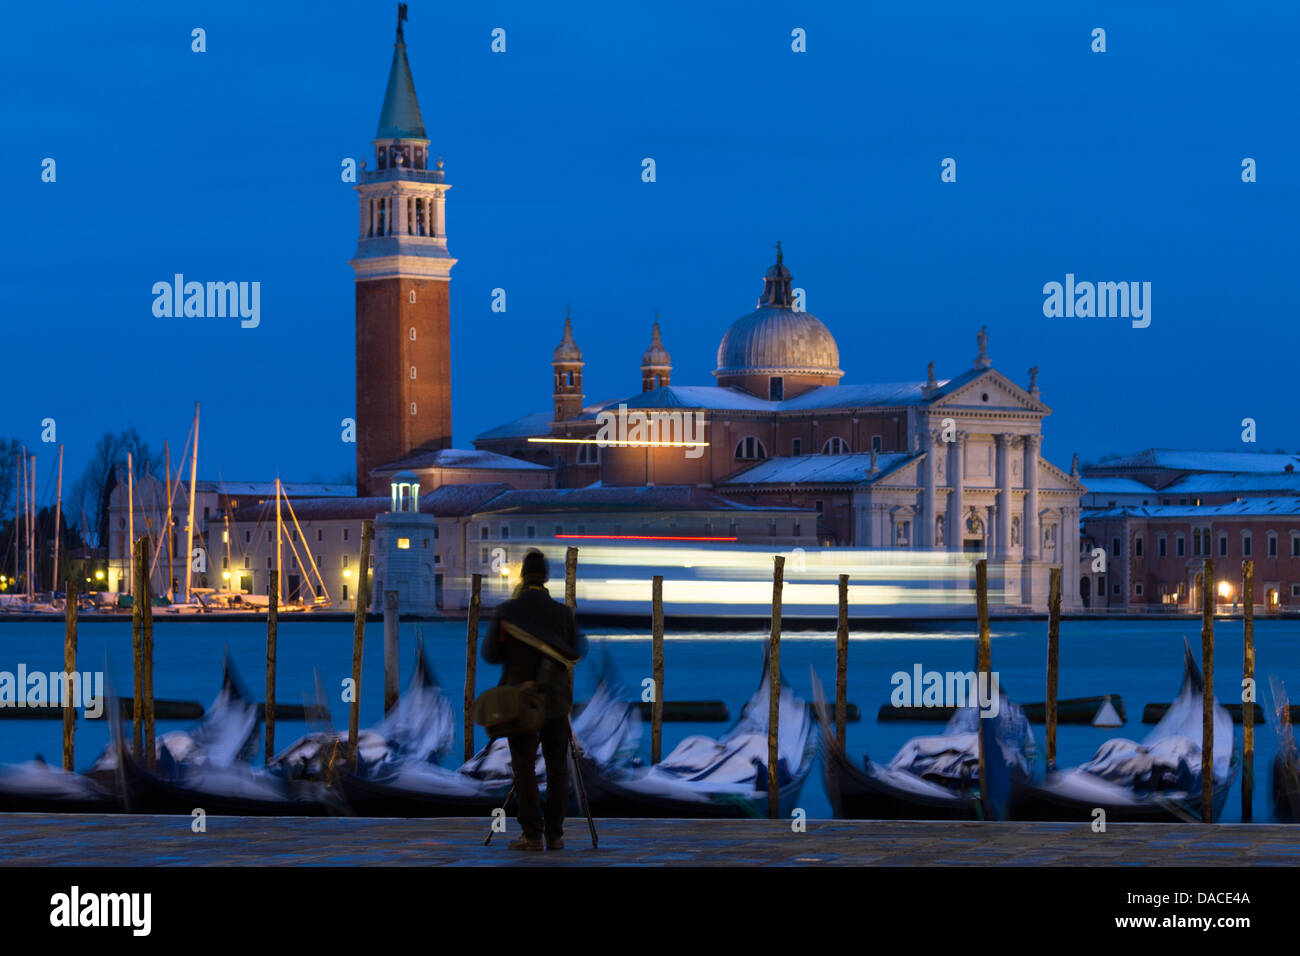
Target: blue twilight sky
225, 165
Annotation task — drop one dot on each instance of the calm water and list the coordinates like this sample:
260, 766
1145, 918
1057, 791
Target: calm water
1140, 660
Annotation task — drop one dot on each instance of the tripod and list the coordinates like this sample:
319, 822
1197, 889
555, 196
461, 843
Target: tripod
578, 787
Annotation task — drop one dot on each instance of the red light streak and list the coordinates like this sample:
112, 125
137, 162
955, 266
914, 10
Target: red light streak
638, 537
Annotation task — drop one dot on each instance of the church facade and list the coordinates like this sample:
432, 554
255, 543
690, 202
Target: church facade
935, 465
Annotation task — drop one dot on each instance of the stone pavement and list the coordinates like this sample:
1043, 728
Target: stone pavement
141, 840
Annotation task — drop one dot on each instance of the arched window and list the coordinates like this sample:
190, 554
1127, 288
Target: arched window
835, 446
750, 448
589, 454
412, 408
412, 371
412, 333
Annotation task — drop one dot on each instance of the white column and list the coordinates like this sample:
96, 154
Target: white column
399, 214
438, 223
1032, 535
364, 215
1004, 505
1070, 558
956, 522
929, 514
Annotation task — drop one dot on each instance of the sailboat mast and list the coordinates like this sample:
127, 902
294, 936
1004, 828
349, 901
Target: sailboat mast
279, 535
31, 532
18, 501
58, 521
171, 546
189, 520
130, 523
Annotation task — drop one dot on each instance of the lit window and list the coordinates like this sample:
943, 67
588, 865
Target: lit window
403, 544
225, 537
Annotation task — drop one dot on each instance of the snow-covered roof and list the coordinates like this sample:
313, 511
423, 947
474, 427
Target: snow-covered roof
1212, 461
465, 459
1113, 485
1230, 482
538, 423
735, 399
258, 489
444, 501
817, 470
1246, 507
629, 498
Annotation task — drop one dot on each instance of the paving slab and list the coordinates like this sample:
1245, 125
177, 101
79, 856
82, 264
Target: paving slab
145, 840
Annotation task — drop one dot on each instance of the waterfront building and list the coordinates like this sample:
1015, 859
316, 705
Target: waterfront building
1157, 514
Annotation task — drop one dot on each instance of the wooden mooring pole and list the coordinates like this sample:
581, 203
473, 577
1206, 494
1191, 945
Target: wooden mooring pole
842, 666
1207, 692
70, 662
1053, 660
571, 578
983, 677
137, 654
144, 595
657, 667
774, 691
359, 639
272, 621
391, 661
471, 660
1248, 706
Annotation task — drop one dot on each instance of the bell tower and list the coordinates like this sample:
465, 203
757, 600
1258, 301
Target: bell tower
567, 362
403, 283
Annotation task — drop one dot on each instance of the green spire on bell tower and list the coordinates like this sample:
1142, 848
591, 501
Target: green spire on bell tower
400, 116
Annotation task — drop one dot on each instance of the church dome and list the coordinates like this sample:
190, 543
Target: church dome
775, 338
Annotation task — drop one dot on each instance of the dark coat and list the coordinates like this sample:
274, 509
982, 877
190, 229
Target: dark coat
533, 609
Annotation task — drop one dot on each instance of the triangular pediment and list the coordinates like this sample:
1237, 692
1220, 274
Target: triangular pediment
1002, 393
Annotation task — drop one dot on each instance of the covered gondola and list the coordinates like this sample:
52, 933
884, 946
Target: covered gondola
206, 767
705, 777
932, 777
36, 787
607, 729
419, 729
1156, 781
